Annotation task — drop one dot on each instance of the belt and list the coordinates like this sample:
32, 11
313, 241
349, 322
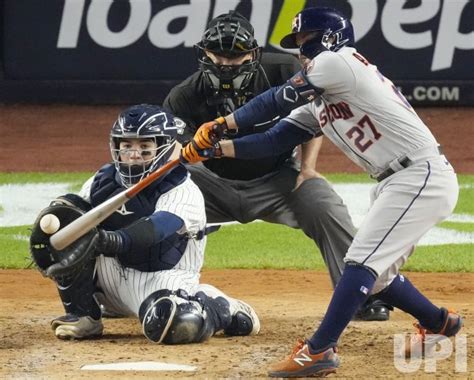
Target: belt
405, 162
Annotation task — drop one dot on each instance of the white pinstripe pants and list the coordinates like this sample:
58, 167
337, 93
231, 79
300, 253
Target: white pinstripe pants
124, 289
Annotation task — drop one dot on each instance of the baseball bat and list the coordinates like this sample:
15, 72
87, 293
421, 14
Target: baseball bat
79, 227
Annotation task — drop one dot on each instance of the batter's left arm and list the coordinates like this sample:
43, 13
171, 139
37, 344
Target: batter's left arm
282, 137
277, 101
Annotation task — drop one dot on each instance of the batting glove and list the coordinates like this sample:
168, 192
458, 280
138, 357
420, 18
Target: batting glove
210, 133
191, 154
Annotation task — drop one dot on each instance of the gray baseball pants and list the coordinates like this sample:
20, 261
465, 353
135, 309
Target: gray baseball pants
314, 208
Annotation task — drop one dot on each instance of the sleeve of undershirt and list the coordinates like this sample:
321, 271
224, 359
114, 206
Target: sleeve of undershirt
283, 137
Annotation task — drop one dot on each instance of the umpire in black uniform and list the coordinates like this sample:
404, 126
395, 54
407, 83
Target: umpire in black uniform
232, 71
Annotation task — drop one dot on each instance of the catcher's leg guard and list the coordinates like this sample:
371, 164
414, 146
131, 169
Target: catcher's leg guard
83, 318
77, 293
172, 318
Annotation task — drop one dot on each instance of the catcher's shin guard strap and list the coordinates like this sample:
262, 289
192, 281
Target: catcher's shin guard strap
217, 310
112, 243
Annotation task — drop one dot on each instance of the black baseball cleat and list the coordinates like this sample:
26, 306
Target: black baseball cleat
71, 326
373, 310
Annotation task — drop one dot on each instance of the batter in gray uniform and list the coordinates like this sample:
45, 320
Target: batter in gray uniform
340, 94
273, 189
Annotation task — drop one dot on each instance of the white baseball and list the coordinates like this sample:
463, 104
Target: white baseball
49, 224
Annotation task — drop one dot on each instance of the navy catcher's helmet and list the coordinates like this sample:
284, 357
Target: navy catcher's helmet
145, 122
332, 30
229, 35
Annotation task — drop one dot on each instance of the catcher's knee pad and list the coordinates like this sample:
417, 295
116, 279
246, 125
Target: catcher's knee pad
171, 318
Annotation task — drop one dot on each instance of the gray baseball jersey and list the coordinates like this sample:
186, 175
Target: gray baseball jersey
361, 111
365, 115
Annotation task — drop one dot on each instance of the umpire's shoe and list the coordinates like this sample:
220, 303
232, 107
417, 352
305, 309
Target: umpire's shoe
373, 310
302, 363
244, 319
425, 340
70, 326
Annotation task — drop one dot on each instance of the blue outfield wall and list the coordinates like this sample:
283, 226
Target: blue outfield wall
128, 51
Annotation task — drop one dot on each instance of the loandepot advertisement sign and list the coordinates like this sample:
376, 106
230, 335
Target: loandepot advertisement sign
394, 17
20, 208
427, 44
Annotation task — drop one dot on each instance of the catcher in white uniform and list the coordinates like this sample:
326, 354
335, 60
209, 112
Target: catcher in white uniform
343, 96
144, 260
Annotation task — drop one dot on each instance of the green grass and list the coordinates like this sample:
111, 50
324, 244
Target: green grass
462, 227
348, 178
465, 203
14, 251
464, 179
262, 245
44, 177
74, 179
278, 247
442, 258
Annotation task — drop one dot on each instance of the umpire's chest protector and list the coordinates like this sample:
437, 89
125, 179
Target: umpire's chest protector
106, 185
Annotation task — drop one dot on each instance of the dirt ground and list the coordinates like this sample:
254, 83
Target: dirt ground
290, 303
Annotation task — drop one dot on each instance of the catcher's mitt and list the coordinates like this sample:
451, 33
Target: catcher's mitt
70, 260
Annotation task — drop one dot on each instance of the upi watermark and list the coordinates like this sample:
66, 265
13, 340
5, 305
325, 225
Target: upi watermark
410, 354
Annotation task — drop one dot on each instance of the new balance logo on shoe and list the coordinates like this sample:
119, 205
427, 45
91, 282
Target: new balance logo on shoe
302, 363
302, 358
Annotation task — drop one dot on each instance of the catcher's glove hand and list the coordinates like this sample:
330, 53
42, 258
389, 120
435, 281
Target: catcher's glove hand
70, 260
